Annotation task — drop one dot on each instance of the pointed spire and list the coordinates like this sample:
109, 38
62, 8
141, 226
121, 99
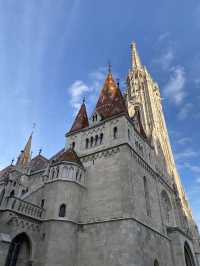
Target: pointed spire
81, 120
110, 101
135, 59
25, 155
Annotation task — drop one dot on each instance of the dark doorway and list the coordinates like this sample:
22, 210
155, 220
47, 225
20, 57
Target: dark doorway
19, 251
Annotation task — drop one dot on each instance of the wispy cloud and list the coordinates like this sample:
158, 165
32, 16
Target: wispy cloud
187, 153
184, 140
165, 59
80, 89
185, 111
174, 90
193, 168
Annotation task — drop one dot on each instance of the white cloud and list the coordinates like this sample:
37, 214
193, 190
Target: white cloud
175, 88
77, 91
90, 90
183, 141
193, 168
188, 153
185, 111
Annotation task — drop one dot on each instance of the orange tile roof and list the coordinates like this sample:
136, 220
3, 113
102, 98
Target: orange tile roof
110, 101
81, 120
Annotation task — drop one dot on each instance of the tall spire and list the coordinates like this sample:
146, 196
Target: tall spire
135, 59
25, 155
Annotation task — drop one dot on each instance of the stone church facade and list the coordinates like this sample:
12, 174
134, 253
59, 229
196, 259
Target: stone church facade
112, 196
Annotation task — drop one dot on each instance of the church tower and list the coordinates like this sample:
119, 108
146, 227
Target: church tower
143, 94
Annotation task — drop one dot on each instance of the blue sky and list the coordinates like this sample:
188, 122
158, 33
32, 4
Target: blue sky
52, 53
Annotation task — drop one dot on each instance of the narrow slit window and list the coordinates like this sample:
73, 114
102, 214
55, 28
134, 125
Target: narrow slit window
115, 132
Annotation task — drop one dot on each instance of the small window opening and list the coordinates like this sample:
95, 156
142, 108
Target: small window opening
86, 143
42, 203
115, 132
12, 193
62, 210
73, 145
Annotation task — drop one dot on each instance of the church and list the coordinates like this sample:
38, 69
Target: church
111, 197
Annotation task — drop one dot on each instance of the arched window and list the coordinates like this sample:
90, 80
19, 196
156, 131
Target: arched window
2, 195
156, 263
62, 210
86, 143
101, 138
42, 203
115, 132
147, 199
73, 145
57, 171
91, 141
12, 193
166, 206
19, 251
189, 259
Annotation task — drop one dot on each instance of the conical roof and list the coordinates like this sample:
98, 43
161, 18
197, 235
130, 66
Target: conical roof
69, 155
81, 120
110, 101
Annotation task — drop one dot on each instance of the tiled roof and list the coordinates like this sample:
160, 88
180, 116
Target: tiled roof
110, 101
4, 172
68, 155
81, 120
38, 163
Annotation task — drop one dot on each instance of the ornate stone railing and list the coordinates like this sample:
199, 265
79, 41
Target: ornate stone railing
23, 207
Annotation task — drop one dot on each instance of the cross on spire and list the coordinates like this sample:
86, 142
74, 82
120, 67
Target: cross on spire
40, 151
109, 67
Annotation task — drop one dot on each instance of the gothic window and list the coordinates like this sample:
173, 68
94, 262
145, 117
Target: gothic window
115, 132
73, 145
42, 203
96, 139
57, 171
147, 199
189, 259
86, 143
2, 195
12, 193
101, 138
156, 263
166, 206
62, 210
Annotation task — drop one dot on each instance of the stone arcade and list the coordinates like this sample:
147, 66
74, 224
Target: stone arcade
111, 197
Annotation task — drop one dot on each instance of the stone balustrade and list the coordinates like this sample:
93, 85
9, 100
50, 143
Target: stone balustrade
23, 207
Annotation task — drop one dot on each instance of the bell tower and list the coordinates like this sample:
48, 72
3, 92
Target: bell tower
143, 94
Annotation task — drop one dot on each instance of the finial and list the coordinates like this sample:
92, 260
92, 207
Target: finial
40, 151
109, 67
12, 161
84, 100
